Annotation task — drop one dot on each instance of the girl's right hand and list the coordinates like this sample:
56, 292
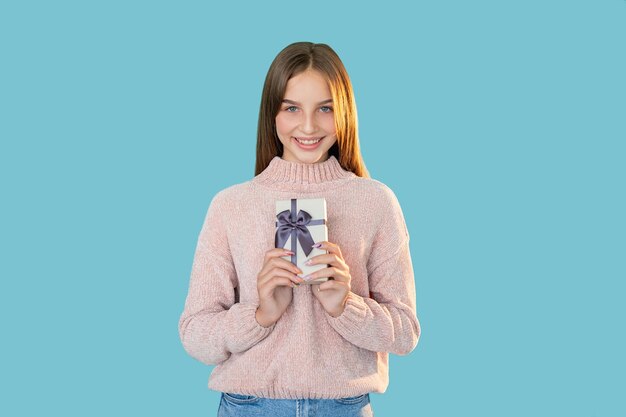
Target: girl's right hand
275, 284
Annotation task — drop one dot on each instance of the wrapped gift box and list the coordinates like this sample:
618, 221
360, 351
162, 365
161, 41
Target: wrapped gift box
301, 223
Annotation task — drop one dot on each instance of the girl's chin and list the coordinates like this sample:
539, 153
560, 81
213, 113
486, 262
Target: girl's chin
305, 157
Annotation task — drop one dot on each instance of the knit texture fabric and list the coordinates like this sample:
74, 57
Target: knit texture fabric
307, 353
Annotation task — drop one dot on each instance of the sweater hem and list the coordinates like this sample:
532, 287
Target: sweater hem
281, 393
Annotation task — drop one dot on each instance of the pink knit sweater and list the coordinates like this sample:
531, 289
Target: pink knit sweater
307, 353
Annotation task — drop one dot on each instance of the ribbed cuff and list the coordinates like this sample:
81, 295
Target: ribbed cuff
245, 331
350, 322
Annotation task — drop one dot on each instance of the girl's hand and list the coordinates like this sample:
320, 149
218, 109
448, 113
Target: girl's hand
332, 294
275, 283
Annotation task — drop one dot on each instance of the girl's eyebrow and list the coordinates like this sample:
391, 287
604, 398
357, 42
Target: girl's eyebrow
295, 102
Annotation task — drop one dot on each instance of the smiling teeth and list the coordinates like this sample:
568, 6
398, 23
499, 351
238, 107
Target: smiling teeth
308, 142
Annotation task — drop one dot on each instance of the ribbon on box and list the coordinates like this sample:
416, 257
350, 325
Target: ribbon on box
295, 225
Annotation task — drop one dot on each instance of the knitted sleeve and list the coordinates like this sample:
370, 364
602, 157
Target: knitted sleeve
386, 322
213, 323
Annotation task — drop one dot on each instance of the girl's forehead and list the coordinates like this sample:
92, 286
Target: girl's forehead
309, 83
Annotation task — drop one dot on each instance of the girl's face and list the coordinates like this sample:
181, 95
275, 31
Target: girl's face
305, 123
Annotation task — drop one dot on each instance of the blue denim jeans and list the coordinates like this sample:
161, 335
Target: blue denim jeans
237, 405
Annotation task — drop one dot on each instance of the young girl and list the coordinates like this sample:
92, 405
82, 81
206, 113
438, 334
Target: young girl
282, 348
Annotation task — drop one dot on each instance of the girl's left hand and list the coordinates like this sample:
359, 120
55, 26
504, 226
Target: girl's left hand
333, 293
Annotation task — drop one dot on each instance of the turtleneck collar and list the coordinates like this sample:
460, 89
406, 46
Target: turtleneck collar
285, 175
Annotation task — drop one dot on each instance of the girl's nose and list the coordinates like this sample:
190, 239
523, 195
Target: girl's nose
309, 125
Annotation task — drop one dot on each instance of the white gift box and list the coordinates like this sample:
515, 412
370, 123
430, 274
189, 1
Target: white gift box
302, 221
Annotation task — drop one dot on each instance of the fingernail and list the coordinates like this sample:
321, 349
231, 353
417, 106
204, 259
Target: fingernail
289, 252
306, 277
308, 262
317, 245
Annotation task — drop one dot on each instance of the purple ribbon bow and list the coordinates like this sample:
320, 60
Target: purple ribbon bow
290, 224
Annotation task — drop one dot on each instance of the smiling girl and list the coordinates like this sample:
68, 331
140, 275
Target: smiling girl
281, 348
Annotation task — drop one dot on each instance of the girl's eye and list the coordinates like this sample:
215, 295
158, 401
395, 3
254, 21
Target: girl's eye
324, 109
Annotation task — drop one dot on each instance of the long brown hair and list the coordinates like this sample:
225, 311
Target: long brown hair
291, 61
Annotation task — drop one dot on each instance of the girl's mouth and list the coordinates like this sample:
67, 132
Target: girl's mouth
308, 143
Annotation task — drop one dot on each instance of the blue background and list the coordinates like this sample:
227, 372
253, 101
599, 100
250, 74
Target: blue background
500, 125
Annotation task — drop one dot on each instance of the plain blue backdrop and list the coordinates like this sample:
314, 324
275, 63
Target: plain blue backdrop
500, 125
